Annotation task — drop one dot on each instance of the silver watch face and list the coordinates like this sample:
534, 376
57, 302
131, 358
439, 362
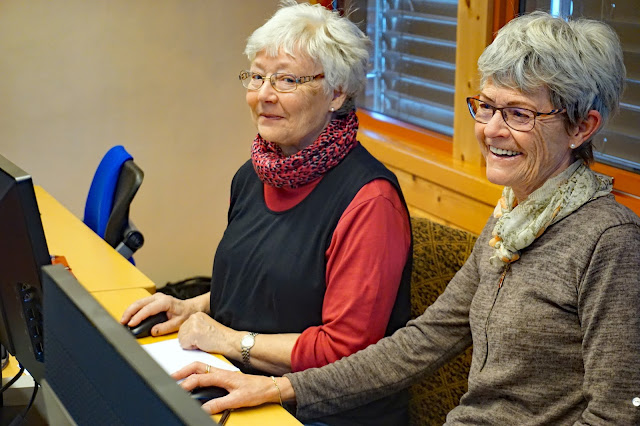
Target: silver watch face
248, 341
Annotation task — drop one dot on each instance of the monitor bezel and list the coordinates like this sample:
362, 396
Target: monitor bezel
58, 282
23, 250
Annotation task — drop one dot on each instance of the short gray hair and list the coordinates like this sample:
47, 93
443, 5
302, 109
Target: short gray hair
331, 40
580, 62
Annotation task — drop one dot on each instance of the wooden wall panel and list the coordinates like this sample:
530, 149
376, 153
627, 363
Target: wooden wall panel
434, 185
473, 34
449, 206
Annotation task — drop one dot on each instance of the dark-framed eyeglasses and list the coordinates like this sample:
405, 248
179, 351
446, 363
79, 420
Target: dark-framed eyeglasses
280, 81
520, 119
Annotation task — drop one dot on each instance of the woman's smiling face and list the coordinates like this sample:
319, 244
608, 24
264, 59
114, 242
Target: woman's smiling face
293, 120
523, 160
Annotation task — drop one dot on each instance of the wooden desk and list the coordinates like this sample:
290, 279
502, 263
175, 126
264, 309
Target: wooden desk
116, 301
115, 284
94, 262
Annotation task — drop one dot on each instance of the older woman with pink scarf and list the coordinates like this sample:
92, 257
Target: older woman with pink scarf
315, 262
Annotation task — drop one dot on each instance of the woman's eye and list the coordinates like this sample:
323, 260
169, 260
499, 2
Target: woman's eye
256, 77
520, 113
482, 105
289, 79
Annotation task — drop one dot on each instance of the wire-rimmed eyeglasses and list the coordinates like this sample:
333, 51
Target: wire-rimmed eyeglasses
280, 81
520, 119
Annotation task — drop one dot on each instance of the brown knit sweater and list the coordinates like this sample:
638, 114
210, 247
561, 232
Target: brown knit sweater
558, 343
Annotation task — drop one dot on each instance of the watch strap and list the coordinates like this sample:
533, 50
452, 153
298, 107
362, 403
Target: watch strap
246, 357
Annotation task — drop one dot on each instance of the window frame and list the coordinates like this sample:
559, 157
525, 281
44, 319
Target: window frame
477, 17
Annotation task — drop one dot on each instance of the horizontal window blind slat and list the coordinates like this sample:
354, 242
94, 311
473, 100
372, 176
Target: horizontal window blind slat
617, 161
417, 81
415, 110
417, 88
393, 56
628, 32
428, 42
620, 145
632, 62
398, 15
433, 7
413, 71
623, 11
436, 75
631, 96
626, 121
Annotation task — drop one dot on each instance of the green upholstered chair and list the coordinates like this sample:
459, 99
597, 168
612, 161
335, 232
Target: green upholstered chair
438, 252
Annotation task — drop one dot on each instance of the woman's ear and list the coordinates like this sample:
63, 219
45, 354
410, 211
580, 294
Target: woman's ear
338, 100
584, 130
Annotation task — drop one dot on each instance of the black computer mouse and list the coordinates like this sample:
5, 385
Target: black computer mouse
203, 395
144, 328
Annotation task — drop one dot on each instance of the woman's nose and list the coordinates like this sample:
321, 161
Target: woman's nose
266, 92
496, 126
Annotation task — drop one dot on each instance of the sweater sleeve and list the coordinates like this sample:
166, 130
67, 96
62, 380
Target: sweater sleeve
365, 260
395, 362
609, 312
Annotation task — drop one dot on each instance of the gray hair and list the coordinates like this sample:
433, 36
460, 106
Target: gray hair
331, 40
580, 62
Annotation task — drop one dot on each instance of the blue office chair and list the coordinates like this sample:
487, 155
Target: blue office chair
106, 212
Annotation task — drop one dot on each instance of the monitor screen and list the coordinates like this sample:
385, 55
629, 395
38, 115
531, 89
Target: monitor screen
97, 370
23, 250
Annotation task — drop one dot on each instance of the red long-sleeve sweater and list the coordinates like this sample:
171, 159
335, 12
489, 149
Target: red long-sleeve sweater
365, 260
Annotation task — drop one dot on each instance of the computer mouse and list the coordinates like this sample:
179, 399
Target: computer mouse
144, 328
203, 395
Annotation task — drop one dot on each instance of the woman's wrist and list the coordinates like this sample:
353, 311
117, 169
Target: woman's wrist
199, 304
284, 390
233, 344
275, 383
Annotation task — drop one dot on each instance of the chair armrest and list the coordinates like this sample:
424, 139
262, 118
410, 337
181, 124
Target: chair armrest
132, 241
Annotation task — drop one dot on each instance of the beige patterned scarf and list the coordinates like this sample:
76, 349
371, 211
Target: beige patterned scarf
519, 225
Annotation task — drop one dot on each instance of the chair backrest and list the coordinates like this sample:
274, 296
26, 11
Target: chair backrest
114, 185
128, 183
99, 203
438, 252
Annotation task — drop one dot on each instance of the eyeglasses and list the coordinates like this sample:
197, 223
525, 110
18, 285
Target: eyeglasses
279, 81
520, 119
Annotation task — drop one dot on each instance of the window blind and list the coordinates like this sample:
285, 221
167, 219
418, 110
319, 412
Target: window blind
413, 62
618, 143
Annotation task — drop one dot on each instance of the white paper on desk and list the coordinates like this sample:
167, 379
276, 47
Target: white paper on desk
171, 357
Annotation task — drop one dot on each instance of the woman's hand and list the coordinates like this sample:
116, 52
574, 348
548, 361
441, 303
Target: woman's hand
200, 331
177, 311
244, 390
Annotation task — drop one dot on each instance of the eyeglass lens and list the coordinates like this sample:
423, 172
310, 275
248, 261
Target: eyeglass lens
517, 118
280, 82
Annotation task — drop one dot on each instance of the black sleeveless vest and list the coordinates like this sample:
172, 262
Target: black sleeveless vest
269, 269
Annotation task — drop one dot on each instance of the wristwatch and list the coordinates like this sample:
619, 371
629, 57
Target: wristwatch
246, 344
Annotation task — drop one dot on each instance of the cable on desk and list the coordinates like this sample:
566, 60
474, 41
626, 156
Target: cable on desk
12, 381
20, 417
225, 416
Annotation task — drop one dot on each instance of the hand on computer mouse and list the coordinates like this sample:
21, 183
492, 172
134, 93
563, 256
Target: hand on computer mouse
143, 329
207, 393
244, 390
177, 311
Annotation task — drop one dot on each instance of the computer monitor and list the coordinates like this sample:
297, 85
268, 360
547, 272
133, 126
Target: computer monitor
96, 368
23, 250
